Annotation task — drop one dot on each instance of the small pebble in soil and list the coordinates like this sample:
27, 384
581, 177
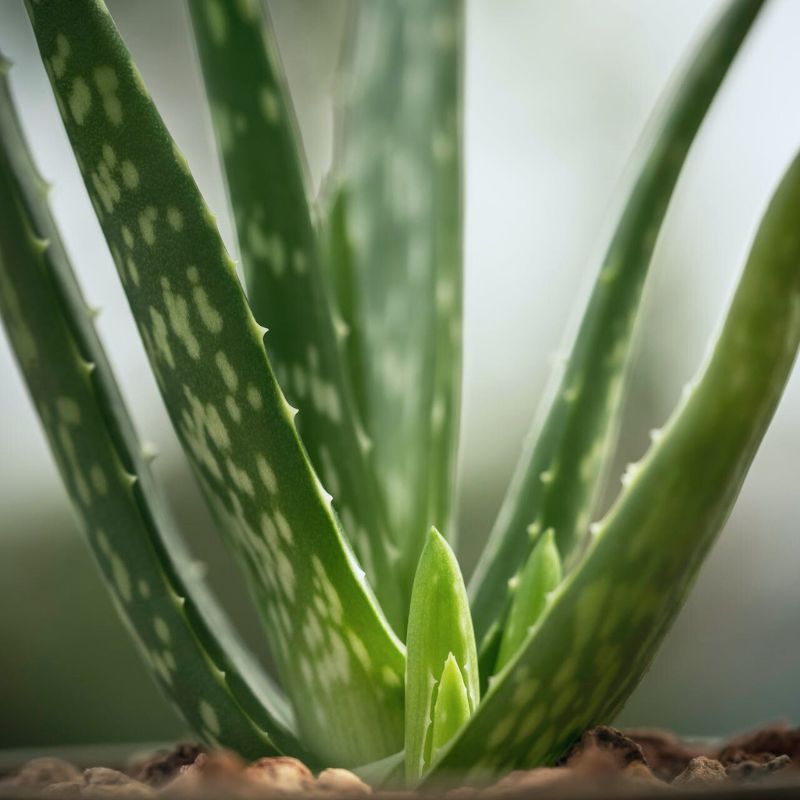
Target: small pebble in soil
342, 781
105, 782
701, 771
44, 771
282, 774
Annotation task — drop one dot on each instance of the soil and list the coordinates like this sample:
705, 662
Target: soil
764, 763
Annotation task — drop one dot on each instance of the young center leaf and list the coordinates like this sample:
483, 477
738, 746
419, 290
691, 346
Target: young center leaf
185, 640
337, 658
452, 707
539, 577
597, 637
393, 201
439, 630
562, 467
263, 162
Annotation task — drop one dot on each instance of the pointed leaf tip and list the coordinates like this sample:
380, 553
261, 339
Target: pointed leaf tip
539, 577
439, 628
451, 709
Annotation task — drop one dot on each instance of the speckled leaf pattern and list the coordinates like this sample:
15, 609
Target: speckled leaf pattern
338, 660
439, 627
562, 467
184, 639
287, 287
601, 630
394, 205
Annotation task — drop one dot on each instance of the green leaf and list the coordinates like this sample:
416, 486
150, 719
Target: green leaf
386, 773
451, 709
439, 627
597, 637
558, 476
489, 649
264, 167
539, 577
337, 658
394, 227
184, 639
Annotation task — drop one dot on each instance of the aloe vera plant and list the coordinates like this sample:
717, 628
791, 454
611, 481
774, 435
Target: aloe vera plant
326, 445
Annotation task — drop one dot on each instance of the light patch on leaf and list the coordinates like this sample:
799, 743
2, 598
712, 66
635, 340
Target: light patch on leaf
175, 219
79, 100
107, 82
228, 373
270, 106
178, 313
209, 717
146, 221
130, 175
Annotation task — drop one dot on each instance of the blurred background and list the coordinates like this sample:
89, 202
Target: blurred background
557, 95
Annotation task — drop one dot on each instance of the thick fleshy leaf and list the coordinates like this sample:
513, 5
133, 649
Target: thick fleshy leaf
287, 286
394, 225
388, 772
183, 636
563, 465
599, 633
539, 577
439, 627
338, 659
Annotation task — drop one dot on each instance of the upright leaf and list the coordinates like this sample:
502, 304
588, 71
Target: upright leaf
539, 577
439, 629
596, 640
394, 227
263, 163
336, 656
557, 478
452, 707
184, 638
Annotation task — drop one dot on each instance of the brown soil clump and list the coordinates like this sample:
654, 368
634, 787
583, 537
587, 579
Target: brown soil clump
165, 765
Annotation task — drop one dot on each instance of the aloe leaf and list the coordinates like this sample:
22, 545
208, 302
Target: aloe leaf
451, 709
337, 657
260, 147
539, 577
341, 267
489, 649
600, 631
394, 227
557, 478
388, 772
439, 627
183, 636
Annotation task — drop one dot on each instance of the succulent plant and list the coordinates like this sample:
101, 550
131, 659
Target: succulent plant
326, 447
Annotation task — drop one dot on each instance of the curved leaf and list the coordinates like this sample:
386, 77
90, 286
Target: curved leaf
185, 640
596, 640
539, 577
337, 658
260, 148
558, 475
